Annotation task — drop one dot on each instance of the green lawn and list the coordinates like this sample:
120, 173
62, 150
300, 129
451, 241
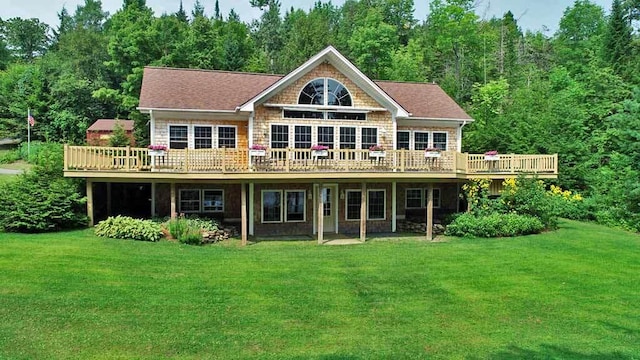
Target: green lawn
6, 178
570, 294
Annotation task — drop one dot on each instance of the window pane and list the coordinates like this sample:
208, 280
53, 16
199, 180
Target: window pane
403, 140
295, 205
272, 206
293, 114
338, 94
346, 115
279, 136
353, 204
347, 138
436, 198
178, 137
202, 137
325, 136
440, 140
312, 93
414, 198
212, 200
227, 137
376, 204
302, 137
369, 137
189, 201
421, 140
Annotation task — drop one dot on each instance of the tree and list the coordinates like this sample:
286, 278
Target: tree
26, 38
267, 31
372, 44
119, 137
617, 39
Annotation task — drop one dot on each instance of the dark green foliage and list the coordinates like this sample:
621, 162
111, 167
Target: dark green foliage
188, 230
119, 136
124, 227
10, 156
529, 197
494, 225
42, 200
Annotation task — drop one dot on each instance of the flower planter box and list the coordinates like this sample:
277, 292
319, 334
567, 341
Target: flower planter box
157, 152
257, 152
492, 157
432, 154
319, 153
378, 154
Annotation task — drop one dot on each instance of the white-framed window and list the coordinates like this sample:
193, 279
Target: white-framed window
227, 137
413, 199
212, 200
296, 205
376, 204
178, 136
353, 200
347, 138
403, 139
326, 136
271, 206
421, 140
440, 140
189, 201
279, 136
369, 137
302, 137
202, 137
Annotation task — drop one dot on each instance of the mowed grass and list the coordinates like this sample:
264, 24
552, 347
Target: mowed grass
570, 294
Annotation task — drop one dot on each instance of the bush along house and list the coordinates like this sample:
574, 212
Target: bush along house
323, 149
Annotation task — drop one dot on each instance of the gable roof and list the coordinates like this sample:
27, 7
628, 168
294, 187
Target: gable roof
190, 89
109, 124
225, 91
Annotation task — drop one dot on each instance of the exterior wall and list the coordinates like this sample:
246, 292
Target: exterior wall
283, 228
448, 200
101, 138
452, 134
161, 131
231, 199
265, 116
373, 226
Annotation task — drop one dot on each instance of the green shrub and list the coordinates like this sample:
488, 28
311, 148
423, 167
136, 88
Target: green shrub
528, 196
124, 227
494, 225
9, 157
177, 227
193, 236
189, 230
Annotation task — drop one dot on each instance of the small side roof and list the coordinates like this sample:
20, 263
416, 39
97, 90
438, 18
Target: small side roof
109, 124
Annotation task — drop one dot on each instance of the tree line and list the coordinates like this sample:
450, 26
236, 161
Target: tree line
574, 92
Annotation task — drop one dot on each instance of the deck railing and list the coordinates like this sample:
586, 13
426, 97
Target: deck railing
92, 158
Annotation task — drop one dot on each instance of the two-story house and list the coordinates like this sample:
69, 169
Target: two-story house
323, 149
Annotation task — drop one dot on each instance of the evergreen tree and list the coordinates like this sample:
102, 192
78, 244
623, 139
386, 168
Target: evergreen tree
617, 40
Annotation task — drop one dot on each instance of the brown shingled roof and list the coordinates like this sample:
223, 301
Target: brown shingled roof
108, 125
423, 100
170, 88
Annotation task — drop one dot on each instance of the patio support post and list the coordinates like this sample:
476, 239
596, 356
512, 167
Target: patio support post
251, 208
173, 200
243, 212
90, 201
430, 211
394, 207
320, 215
363, 212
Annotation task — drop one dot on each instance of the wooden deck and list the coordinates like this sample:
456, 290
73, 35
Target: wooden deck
91, 161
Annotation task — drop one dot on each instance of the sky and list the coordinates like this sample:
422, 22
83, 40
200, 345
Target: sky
534, 15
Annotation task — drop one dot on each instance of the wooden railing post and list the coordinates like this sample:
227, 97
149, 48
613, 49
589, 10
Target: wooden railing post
511, 163
224, 159
128, 158
66, 159
186, 159
286, 160
403, 157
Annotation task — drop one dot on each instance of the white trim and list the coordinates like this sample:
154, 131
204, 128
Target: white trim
304, 206
250, 132
341, 64
145, 109
446, 142
262, 207
217, 136
434, 197
369, 204
193, 131
310, 107
169, 125
406, 198
412, 137
152, 126
394, 129
438, 119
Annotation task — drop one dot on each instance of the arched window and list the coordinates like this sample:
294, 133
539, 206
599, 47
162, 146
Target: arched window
325, 91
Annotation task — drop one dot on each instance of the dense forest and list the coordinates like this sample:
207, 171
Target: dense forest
573, 93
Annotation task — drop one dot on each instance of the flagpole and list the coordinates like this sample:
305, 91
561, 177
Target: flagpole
28, 133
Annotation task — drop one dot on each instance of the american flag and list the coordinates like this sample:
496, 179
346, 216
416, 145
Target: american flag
31, 120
